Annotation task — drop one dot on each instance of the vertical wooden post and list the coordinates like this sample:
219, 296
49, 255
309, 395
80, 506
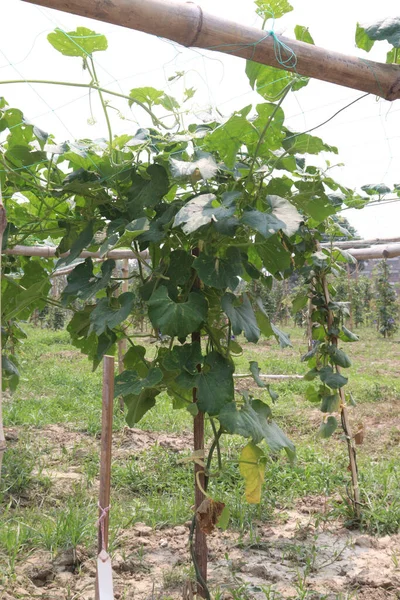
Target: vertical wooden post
200, 541
105, 453
122, 344
3, 224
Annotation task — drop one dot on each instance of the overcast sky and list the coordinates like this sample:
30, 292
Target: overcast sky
367, 134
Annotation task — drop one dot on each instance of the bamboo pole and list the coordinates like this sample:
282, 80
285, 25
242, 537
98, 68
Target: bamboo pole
50, 252
105, 456
3, 445
361, 243
122, 344
372, 253
187, 24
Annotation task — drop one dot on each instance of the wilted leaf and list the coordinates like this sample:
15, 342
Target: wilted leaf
241, 315
328, 427
208, 514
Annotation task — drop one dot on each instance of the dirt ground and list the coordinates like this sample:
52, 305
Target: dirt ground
293, 554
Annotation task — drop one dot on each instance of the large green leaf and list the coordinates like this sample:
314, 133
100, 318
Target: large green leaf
139, 405
82, 241
241, 315
305, 143
386, 29
252, 464
81, 42
180, 267
220, 273
331, 379
215, 384
110, 312
130, 382
176, 318
83, 284
254, 420
229, 137
146, 192
274, 256
203, 210
284, 217
269, 82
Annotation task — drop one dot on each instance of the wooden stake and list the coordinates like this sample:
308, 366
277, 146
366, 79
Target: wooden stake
200, 541
187, 24
122, 344
105, 454
350, 292
3, 225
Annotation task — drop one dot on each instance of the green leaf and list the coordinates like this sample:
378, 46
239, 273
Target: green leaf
386, 29
339, 357
215, 384
330, 403
331, 379
180, 267
284, 217
83, 240
274, 256
306, 144
139, 405
130, 382
176, 319
252, 464
373, 189
110, 312
223, 520
152, 97
269, 82
363, 40
241, 315
81, 42
255, 371
254, 420
272, 9
220, 273
226, 139
299, 302
328, 427
348, 336
195, 213
134, 360
186, 357
312, 394
263, 320
83, 284
393, 57
303, 35
147, 192
282, 337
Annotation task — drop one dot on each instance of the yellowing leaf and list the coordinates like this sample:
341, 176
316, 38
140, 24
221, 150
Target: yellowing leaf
252, 467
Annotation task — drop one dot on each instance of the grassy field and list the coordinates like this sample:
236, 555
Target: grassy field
49, 489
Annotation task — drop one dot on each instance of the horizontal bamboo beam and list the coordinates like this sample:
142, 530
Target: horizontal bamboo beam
274, 377
361, 243
50, 252
187, 24
375, 252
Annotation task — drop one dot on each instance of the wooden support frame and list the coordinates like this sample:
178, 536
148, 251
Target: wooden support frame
187, 24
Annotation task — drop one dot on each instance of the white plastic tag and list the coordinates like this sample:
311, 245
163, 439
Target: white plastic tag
104, 576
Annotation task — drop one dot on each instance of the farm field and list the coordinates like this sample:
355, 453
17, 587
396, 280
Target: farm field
298, 543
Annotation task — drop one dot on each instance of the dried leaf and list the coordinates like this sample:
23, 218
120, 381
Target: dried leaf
208, 514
